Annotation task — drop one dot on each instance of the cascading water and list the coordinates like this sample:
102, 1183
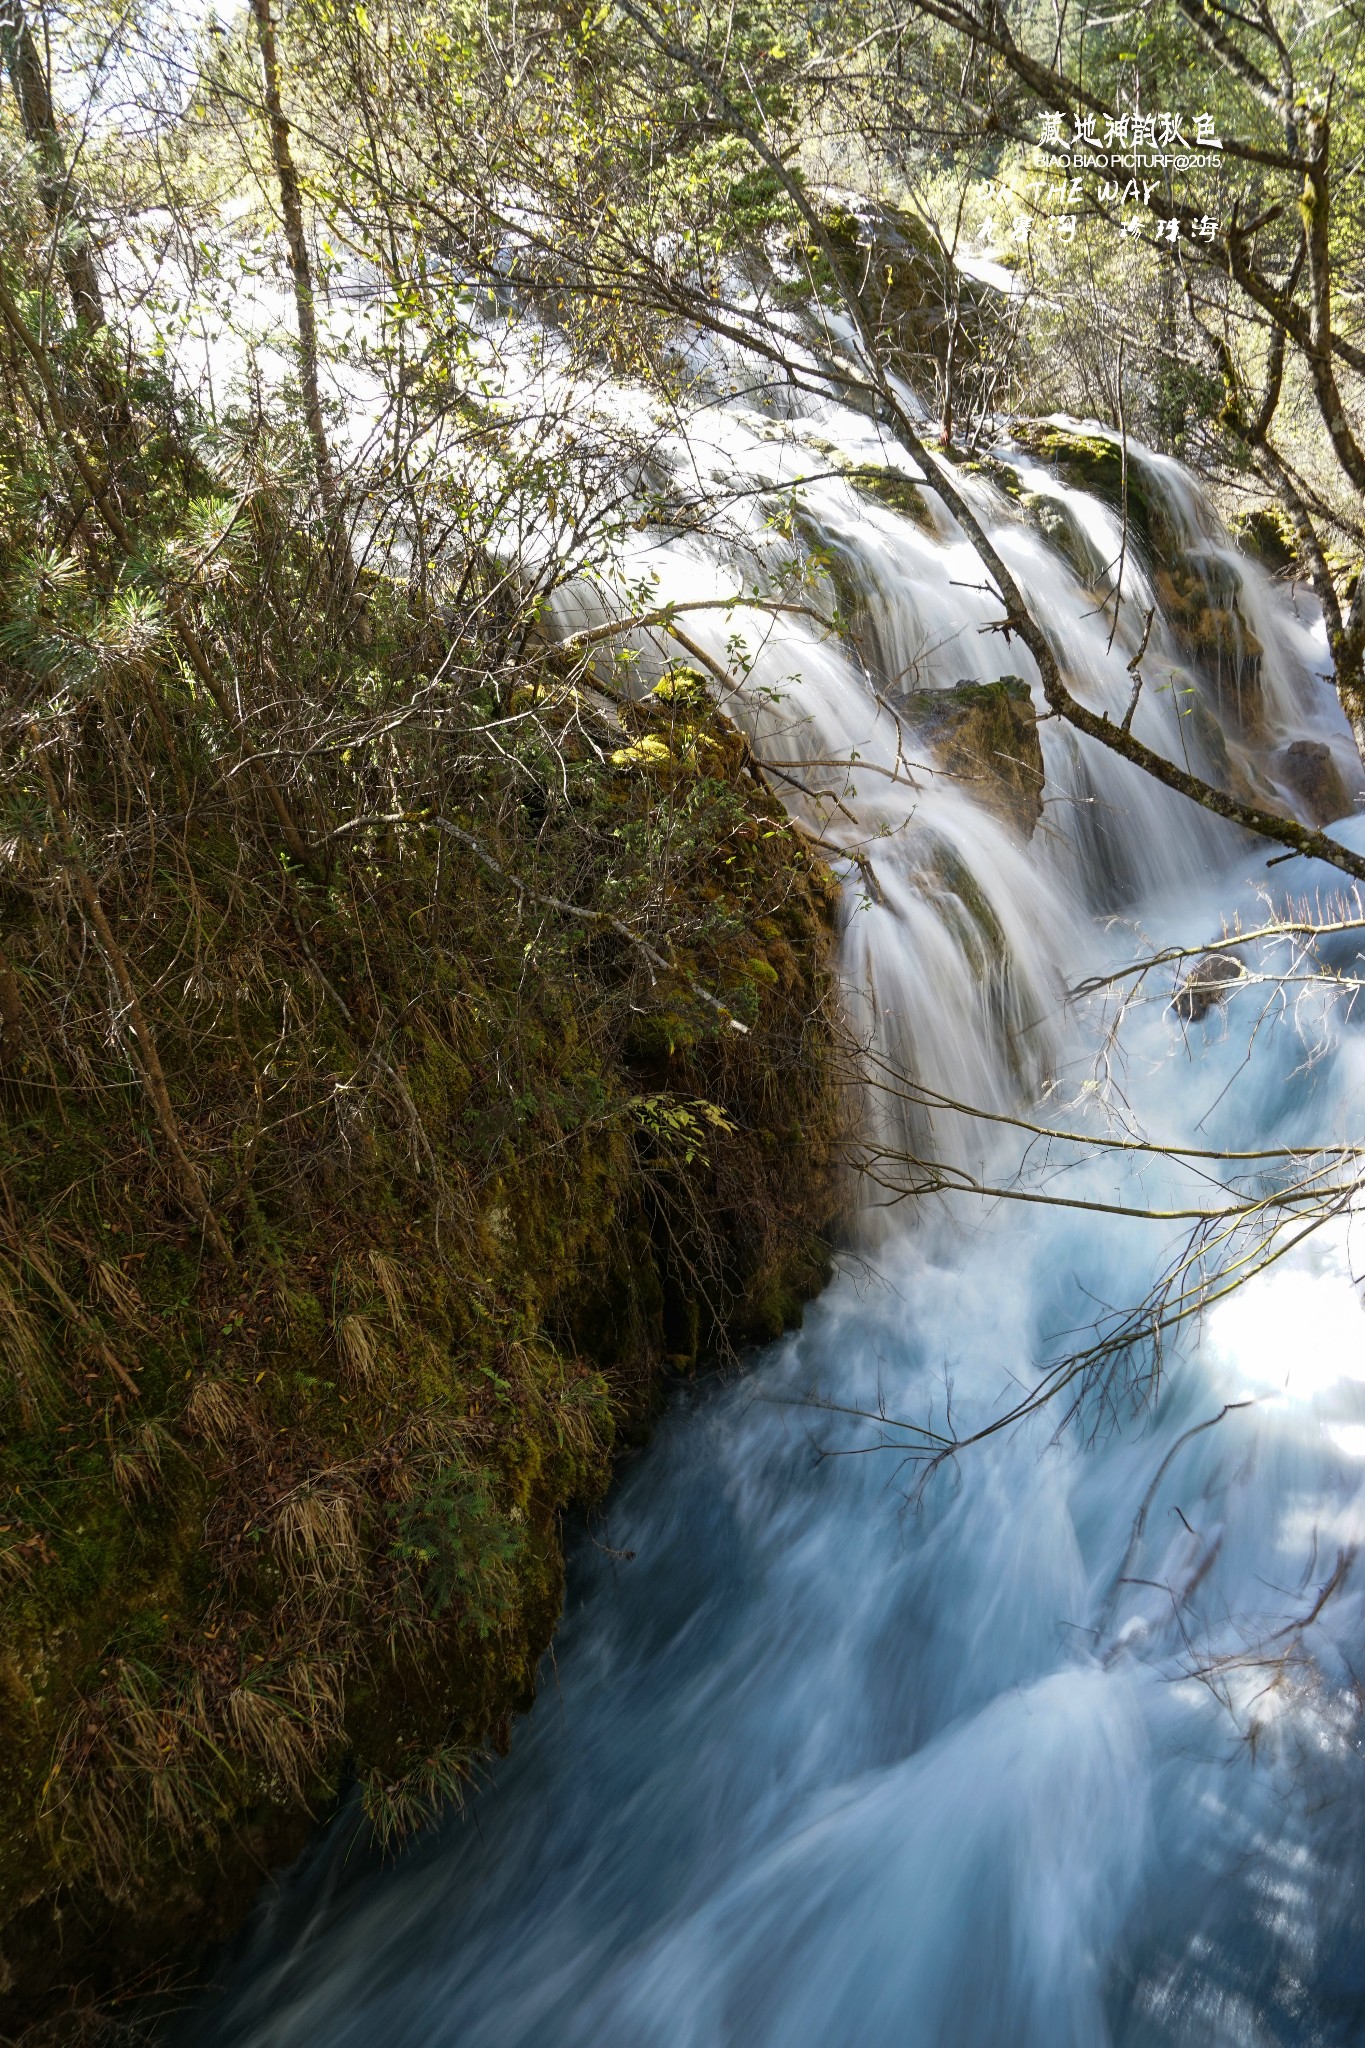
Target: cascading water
1059, 1744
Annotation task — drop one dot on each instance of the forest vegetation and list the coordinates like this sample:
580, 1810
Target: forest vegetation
415, 1035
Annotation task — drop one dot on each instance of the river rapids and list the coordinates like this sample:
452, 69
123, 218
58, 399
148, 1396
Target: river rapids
1055, 1743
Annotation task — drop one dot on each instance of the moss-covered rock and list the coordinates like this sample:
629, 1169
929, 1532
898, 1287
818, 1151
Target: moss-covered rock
1002, 474
1095, 463
910, 289
1199, 592
898, 492
1197, 582
1267, 534
985, 735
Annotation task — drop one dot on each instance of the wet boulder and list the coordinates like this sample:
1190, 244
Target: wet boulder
1231, 766
985, 735
1206, 985
1310, 770
1058, 525
1199, 594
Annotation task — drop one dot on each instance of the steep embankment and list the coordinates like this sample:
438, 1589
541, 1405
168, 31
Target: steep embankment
485, 1168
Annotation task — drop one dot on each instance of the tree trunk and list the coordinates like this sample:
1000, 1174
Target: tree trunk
28, 74
291, 206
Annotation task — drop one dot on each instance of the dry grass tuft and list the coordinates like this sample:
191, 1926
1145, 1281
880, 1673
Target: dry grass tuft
397, 1807
356, 1349
316, 1685
119, 1291
270, 1730
137, 1465
136, 1764
315, 1535
23, 1349
16, 1562
216, 1410
101, 1349
389, 1277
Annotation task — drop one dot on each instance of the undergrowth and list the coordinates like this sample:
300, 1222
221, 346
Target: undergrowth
409, 1047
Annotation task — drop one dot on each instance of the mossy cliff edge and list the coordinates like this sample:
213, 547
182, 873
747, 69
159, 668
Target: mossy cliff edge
515, 1093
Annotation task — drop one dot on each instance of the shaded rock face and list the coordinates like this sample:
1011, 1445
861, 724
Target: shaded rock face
318, 1548
986, 736
1065, 535
1309, 768
1234, 767
1206, 985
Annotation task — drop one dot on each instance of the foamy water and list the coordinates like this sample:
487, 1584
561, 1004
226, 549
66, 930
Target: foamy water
1061, 1744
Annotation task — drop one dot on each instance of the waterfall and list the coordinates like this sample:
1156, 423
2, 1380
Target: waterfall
1054, 1744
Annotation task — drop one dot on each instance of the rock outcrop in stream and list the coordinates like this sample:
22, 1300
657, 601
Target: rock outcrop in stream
985, 736
1311, 771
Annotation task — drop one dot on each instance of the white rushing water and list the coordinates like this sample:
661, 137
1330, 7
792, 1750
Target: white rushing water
1063, 1747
